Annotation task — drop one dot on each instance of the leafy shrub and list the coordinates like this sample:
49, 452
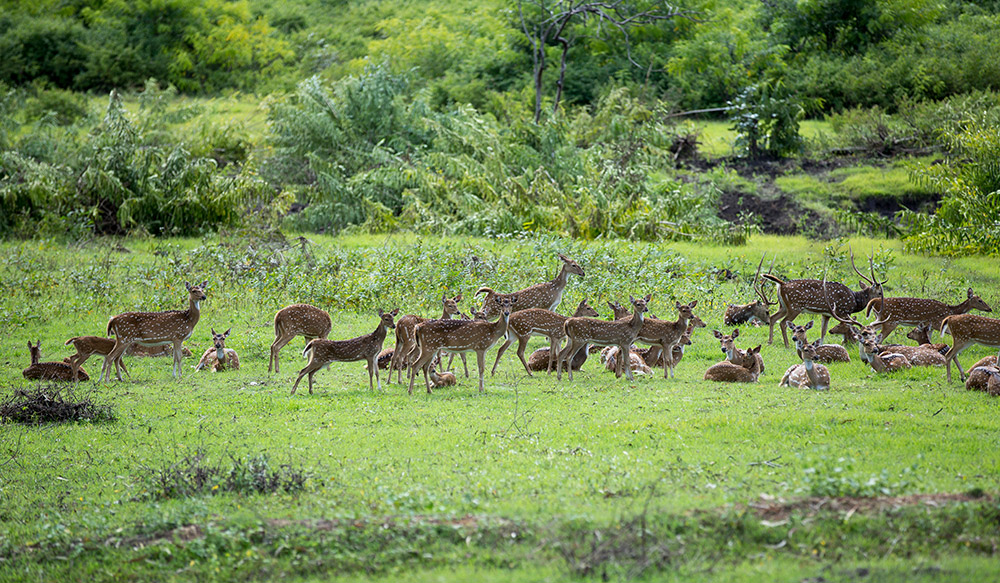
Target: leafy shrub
193, 475
766, 120
46, 404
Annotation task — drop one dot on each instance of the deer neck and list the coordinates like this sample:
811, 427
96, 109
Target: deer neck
379, 334
962, 308
220, 354
194, 311
636, 323
500, 327
814, 380
559, 283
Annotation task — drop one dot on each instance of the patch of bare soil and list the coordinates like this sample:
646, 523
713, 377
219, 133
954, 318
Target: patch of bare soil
779, 510
776, 215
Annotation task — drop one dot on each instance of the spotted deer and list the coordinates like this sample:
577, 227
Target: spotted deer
610, 356
984, 376
966, 330
665, 333
808, 374
87, 346
755, 312
882, 360
442, 378
824, 352
322, 352
727, 342
404, 335
922, 336
806, 296
653, 356
297, 320
537, 321
459, 336
155, 329
546, 295
139, 350
915, 311
219, 358
583, 331
728, 371
51, 371
843, 330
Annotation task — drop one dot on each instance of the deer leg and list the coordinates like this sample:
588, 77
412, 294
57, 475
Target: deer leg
481, 361
553, 354
465, 364
76, 361
522, 343
953, 355
887, 329
626, 361
568, 351
306, 370
777, 316
276, 347
373, 370
500, 352
825, 321
178, 357
116, 352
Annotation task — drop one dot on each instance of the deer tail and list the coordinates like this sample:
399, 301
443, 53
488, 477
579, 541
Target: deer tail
944, 327
308, 348
773, 278
72, 340
483, 290
111, 325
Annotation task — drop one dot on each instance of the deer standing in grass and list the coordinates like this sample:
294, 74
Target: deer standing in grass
892, 312
666, 334
966, 330
460, 336
155, 329
806, 296
808, 374
537, 321
405, 340
742, 367
581, 332
322, 352
297, 320
219, 358
546, 295
51, 371
87, 346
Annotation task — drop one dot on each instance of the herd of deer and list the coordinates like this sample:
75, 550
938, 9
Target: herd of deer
421, 343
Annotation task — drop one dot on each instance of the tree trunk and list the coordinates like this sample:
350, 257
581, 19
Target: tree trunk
562, 73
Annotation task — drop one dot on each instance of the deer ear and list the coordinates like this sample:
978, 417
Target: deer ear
204, 284
380, 312
227, 332
863, 284
394, 312
648, 297
213, 332
458, 298
444, 297
30, 345
756, 349
693, 304
717, 334
513, 299
970, 294
187, 285
736, 332
563, 257
808, 326
678, 304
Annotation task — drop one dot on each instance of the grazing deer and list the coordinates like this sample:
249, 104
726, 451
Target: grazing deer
297, 320
727, 342
51, 371
728, 371
546, 295
610, 354
583, 331
756, 311
219, 358
966, 330
667, 334
155, 329
824, 352
323, 352
459, 336
405, 340
537, 321
808, 374
915, 311
87, 346
808, 296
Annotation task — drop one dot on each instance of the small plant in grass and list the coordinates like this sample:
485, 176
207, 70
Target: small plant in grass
836, 478
47, 404
195, 475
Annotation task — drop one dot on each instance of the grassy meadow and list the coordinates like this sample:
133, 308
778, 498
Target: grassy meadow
218, 476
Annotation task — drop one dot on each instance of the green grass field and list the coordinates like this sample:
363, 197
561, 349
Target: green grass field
534, 479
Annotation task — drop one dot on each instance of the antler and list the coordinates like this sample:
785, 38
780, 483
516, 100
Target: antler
871, 265
760, 289
850, 321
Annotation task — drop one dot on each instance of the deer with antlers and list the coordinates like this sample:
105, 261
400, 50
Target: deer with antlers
922, 336
87, 346
807, 296
51, 371
966, 330
322, 352
756, 311
728, 371
155, 329
808, 374
219, 358
892, 312
405, 341
459, 336
297, 320
581, 332
539, 322
546, 295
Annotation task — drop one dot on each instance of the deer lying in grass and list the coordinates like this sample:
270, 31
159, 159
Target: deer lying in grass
922, 336
536, 321
583, 331
51, 371
824, 352
219, 358
755, 312
727, 343
729, 372
297, 320
405, 341
156, 351
915, 311
882, 360
984, 376
610, 355
459, 336
87, 346
966, 330
545, 295
322, 352
155, 329
443, 378
808, 374
844, 330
